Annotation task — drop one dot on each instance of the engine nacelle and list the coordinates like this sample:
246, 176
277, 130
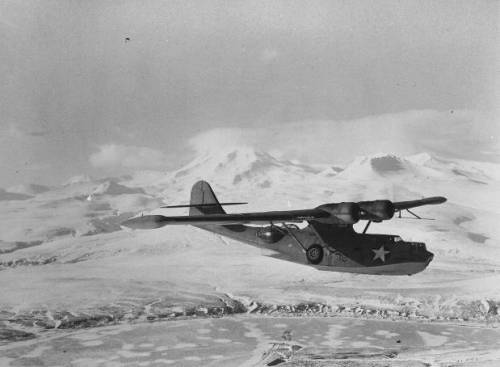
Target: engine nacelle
377, 210
270, 234
341, 213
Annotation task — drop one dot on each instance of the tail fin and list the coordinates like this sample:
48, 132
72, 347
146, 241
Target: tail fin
202, 193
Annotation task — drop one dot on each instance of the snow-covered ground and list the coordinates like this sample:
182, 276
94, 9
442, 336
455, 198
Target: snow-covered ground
66, 263
257, 341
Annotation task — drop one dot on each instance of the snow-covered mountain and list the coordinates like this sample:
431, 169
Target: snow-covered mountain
243, 166
242, 173
71, 234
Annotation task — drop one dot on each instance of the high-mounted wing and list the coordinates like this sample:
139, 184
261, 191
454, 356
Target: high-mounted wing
402, 205
157, 221
334, 214
406, 205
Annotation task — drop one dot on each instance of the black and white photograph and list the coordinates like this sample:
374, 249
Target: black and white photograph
250, 183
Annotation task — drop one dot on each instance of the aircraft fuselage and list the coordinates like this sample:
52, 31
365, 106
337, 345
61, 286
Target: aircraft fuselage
343, 249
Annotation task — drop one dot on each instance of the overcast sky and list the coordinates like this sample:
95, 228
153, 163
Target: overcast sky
77, 97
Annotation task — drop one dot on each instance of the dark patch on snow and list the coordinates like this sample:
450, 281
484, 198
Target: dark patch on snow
12, 335
266, 184
59, 232
466, 175
462, 219
237, 179
459, 172
181, 173
478, 182
81, 258
5, 196
19, 245
27, 262
103, 206
477, 237
386, 164
439, 229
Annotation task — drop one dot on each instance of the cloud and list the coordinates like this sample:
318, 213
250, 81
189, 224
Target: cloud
11, 132
38, 133
14, 131
223, 138
268, 55
460, 134
127, 156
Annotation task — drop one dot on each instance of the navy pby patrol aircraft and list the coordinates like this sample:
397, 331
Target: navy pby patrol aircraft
328, 242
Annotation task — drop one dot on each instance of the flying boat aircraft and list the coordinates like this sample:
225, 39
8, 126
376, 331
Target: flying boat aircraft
328, 242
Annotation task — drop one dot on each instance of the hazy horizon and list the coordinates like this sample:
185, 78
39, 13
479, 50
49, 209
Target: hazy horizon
317, 81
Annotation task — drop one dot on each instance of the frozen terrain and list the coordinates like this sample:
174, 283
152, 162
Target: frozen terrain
65, 263
257, 341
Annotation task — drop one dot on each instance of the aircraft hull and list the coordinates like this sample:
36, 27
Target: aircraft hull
337, 257
408, 268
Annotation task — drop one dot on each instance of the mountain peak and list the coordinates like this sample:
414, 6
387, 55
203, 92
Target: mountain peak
230, 166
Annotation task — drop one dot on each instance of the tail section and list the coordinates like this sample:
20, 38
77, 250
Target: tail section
202, 193
204, 202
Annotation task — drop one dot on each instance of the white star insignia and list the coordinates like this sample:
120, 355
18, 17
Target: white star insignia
380, 254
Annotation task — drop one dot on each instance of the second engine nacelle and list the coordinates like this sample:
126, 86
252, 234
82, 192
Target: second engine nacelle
377, 210
270, 234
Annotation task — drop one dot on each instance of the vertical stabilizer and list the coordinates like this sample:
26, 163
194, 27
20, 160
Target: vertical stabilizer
202, 193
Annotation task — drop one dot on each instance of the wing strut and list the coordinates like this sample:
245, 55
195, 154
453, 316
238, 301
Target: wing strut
294, 237
366, 227
416, 216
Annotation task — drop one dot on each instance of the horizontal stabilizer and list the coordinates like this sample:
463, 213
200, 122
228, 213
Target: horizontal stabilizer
197, 205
